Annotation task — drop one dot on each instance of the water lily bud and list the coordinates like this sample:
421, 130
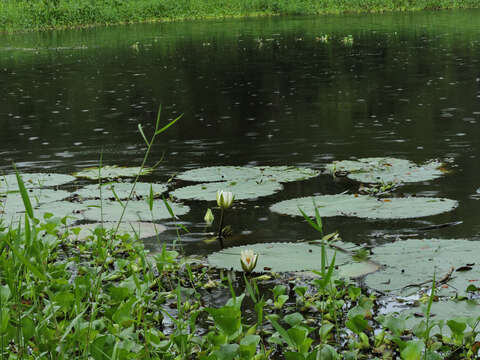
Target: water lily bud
209, 217
225, 199
248, 260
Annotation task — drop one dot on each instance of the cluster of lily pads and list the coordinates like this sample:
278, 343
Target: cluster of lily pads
398, 268
231, 338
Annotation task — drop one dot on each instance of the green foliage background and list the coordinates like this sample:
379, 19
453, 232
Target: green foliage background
16, 15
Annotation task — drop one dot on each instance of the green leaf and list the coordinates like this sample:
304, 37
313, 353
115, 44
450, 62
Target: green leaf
324, 331
386, 170
412, 351
396, 324
4, 320
102, 347
283, 333
143, 135
246, 189
248, 346
9, 183
122, 189
364, 206
136, 210
120, 293
258, 174
298, 334
357, 324
227, 319
111, 172
289, 355
285, 257
406, 264
4, 293
124, 314
25, 198
327, 352
28, 264
226, 352
293, 319
457, 327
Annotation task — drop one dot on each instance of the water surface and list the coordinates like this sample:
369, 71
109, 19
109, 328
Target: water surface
256, 92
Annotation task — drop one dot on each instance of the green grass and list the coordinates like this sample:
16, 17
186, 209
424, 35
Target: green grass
24, 15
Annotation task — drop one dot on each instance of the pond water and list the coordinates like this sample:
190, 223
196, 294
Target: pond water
256, 92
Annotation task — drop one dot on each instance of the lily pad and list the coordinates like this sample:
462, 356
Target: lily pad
122, 190
73, 210
111, 172
285, 257
141, 229
461, 311
412, 262
257, 173
242, 190
136, 210
33, 180
13, 201
12, 208
386, 170
365, 206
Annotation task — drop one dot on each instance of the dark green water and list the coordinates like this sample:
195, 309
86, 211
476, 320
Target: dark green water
256, 92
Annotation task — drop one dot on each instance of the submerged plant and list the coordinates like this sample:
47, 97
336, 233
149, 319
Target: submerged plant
348, 40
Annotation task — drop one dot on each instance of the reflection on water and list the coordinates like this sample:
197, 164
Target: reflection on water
257, 92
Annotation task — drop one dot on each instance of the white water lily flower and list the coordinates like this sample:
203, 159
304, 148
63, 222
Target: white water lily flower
209, 217
225, 199
248, 260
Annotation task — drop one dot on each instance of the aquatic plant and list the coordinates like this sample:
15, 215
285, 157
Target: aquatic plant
248, 260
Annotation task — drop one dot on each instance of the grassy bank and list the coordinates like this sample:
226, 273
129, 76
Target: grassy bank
22, 15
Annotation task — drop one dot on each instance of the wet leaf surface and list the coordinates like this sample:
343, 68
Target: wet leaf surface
412, 262
122, 190
285, 257
142, 230
111, 172
365, 206
386, 170
245, 189
257, 173
33, 180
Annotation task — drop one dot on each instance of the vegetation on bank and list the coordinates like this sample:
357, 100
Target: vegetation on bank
21, 15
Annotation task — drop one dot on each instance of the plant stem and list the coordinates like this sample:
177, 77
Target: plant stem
220, 228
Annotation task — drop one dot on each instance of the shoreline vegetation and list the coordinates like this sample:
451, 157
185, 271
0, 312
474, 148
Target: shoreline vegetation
34, 15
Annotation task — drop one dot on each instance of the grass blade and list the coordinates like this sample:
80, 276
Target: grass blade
35, 271
23, 191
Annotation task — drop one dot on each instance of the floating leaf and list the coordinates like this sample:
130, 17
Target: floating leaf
386, 170
365, 206
136, 210
283, 257
242, 190
60, 209
257, 173
465, 312
122, 190
141, 229
34, 180
111, 172
13, 209
413, 262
